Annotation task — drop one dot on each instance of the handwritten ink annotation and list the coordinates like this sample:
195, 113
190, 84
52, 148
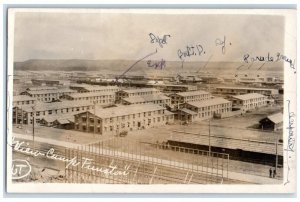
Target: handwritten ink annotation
190, 51
161, 41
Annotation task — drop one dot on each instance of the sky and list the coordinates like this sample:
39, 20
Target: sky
109, 36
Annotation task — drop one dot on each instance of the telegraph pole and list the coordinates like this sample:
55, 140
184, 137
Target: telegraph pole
33, 120
209, 146
276, 161
21, 117
94, 102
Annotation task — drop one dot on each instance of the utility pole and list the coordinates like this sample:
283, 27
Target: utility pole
33, 120
209, 146
276, 161
94, 102
21, 117
180, 115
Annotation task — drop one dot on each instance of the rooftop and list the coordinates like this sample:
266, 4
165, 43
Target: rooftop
191, 93
63, 90
125, 110
171, 85
185, 110
229, 143
22, 98
62, 118
275, 118
146, 98
90, 94
41, 88
137, 90
248, 96
93, 87
245, 88
210, 102
41, 106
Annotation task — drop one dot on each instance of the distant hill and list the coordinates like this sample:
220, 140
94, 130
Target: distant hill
123, 65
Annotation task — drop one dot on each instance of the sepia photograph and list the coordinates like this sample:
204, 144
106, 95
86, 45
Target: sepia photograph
151, 100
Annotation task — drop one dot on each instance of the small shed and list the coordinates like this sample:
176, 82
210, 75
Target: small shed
186, 115
273, 122
66, 123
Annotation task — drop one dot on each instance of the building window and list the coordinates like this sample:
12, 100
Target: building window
50, 112
91, 129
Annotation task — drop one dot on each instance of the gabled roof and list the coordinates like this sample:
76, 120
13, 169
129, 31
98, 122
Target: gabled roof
248, 96
146, 98
41, 106
22, 98
191, 93
275, 118
93, 87
125, 110
90, 94
62, 118
41, 88
185, 110
137, 90
209, 102
63, 90
245, 88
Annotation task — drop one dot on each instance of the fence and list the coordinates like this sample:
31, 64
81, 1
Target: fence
120, 161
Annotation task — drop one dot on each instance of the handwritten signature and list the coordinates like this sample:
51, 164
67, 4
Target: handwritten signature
161, 41
222, 43
190, 51
291, 138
